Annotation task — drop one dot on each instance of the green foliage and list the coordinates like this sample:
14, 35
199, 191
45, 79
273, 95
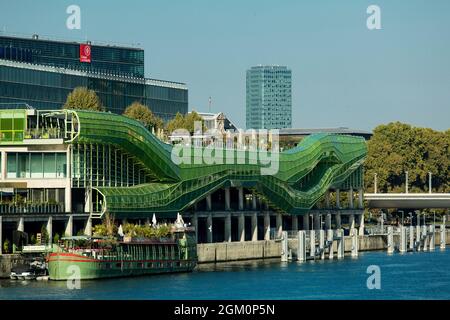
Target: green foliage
184, 122
33, 239
107, 228
396, 148
82, 98
145, 231
6, 246
143, 114
44, 235
56, 238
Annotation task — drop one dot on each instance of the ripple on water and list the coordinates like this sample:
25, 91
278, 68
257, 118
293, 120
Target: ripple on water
408, 276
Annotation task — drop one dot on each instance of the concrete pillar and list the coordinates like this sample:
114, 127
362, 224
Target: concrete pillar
443, 237
266, 226
330, 237
194, 224
350, 198
390, 239
254, 202
227, 199
322, 243
88, 207
279, 219
338, 220
403, 247
294, 223
241, 198
50, 230
327, 199
241, 228
340, 244
361, 198
338, 198
418, 238
21, 225
312, 243
425, 237
1, 235
208, 202
68, 188
3, 165
69, 227
254, 226
305, 222
284, 246
361, 224
328, 221
301, 248
209, 229
316, 221
228, 227
411, 238
355, 242
432, 238
351, 221
88, 227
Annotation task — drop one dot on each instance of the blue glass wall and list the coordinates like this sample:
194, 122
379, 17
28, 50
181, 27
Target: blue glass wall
49, 90
107, 59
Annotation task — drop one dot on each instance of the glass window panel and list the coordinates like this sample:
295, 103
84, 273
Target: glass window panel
23, 165
36, 165
49, 165
11, 165
61, 165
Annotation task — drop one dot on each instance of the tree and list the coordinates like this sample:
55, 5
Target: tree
184, 122
143, 114
6, 246
82, 98
397, 147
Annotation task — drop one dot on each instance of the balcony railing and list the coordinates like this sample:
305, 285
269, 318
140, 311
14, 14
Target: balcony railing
55, 133
25, 208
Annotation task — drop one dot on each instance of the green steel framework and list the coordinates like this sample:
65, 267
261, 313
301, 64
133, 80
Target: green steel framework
320, 162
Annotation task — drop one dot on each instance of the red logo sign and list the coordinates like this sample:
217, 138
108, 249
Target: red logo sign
85, 53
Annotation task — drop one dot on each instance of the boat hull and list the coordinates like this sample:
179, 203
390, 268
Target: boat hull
67, 266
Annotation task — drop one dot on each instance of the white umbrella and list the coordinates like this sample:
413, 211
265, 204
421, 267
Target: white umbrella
120, 231
154, 220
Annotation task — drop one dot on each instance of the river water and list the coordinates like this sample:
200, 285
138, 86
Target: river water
420, 275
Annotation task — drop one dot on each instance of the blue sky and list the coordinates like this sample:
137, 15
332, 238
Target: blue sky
343, 73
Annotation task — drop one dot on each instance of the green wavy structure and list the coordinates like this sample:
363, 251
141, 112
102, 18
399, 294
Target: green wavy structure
318, 163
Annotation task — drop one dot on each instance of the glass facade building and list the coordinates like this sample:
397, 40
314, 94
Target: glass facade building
108, 59
42, 73
269, 97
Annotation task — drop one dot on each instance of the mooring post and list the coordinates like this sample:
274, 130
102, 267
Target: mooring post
340, 244
425, 237
411, 238
443, 237
312, 243
390, 239
322, 243
330, 237
432, 238
284, 246
403, 239
301, 249
418, 239
354, 235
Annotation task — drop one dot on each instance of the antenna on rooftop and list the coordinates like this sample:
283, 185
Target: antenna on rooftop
209, 103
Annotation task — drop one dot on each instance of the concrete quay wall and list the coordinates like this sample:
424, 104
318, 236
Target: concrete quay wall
249, 250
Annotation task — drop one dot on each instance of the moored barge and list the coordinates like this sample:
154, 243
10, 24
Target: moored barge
83, 257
